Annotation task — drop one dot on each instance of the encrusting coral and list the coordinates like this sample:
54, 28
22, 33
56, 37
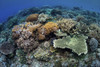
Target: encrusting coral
32, 17
66, 24
77, 44
46, 29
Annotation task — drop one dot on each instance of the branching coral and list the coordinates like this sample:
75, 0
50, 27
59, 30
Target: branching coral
32, 17
43, 17
66, 24
47, 29
24, 36
77, 44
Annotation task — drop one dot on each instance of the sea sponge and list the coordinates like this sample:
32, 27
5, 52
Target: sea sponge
77, 44
66, 24
47, 29
32, 17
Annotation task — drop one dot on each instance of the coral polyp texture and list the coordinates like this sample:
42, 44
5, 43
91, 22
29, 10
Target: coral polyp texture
66, 24
77, 44
46, 29
32, 17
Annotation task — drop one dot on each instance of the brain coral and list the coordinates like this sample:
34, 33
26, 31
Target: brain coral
66, 24
47, 29
25, 38
77, 44
32, 17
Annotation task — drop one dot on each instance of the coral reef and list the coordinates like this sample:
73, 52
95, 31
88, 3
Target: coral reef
77, 44
43, 17
46, 29
55, 12
67, 28
59, 33
32, 17
94, 32
24, 36
21, 55
66, 24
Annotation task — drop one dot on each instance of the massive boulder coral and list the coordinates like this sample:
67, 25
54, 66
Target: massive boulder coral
66, 24
7, 48
93, 44
32, 17
77, 44
24, 36
94, 32
46, 29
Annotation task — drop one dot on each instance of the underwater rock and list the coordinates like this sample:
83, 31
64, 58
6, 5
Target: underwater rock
46, 29
43, 17
7, 48
32, 17
77, 44
93, 44
66, 24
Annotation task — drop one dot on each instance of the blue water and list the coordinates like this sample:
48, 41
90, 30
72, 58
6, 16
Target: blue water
11, 7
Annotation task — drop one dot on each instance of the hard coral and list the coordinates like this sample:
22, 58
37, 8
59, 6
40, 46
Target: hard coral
47, 29
77, 44
7, 48
94, 32
25, 38
32, 17
66, 24
43, 17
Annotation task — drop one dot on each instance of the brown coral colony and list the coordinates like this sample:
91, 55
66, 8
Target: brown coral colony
26, 34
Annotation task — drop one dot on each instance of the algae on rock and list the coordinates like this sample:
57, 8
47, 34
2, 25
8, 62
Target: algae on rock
77, 44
